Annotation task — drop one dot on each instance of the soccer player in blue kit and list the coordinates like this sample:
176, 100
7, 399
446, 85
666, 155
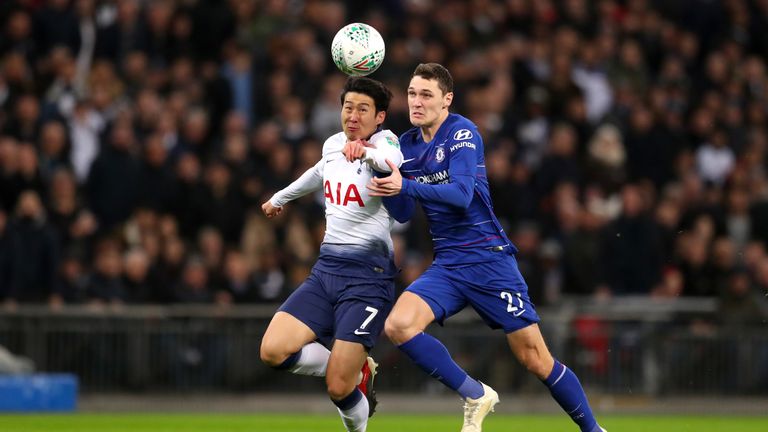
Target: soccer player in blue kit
444, 169
350, 291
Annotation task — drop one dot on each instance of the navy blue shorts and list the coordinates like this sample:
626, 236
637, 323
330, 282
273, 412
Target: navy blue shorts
496, 290
347, 308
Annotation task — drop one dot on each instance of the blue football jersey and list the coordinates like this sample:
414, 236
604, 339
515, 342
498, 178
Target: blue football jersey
448, 177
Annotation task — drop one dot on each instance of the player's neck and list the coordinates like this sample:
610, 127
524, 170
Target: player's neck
428, 132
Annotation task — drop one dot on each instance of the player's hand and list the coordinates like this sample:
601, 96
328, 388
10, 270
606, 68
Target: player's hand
269, 210
354, 150
387, 186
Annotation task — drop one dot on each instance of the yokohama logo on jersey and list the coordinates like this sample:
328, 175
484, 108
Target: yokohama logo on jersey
441, 177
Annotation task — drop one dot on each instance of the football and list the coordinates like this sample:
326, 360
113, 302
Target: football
357, 49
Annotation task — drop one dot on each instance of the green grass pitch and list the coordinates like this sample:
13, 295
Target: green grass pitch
380, 423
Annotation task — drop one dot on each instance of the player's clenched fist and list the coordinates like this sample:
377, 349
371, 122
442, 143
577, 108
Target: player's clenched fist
270, 210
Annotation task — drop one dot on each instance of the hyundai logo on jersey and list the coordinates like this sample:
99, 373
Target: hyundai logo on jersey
463, 144
462, 135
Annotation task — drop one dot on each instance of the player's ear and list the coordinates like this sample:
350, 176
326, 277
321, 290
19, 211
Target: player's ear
380, 116
447, 99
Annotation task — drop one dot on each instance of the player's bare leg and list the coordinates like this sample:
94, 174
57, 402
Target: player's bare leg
531, 351
405, 328
528, 346
290, 344
342, 378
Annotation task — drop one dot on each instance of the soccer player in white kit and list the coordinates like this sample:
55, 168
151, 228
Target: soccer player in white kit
350, 291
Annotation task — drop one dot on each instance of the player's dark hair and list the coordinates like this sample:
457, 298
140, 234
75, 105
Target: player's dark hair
376, 90
438, 72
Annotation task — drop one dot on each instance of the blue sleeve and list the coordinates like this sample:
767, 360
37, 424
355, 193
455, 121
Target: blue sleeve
400, 207
457, 193
462, 170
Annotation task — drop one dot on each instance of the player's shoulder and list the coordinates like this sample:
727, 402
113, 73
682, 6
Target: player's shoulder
334, 143
409, 136
385, 136
461, 128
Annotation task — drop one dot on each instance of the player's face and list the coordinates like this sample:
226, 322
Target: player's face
426, 102
359, 118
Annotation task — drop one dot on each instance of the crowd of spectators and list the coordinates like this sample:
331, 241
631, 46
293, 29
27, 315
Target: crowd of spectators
626, 142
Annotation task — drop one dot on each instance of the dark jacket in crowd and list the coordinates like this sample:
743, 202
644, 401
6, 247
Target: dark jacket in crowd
631, 255
34, 258
113, 186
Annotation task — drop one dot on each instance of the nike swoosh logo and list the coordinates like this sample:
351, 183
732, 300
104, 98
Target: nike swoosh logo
360, 333
408, 160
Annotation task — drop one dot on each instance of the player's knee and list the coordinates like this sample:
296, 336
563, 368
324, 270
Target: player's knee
535, 362
398, 329
531, 364
270, 354
338, 388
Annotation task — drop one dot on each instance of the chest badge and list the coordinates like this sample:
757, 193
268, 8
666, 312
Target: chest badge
440, 154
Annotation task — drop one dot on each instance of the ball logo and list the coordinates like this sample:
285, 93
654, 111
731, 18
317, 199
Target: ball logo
357, 49
462, 135
440, 154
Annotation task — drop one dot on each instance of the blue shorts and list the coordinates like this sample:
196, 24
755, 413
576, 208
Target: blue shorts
496, 290
347, 308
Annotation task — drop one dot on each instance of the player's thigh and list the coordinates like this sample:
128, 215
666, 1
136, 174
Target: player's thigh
286, 335
439, 290
362, 309
344, 366
497, 291
312, 305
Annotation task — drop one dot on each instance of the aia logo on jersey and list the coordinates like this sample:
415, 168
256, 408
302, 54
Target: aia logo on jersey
440, 154
351, 194
462, 135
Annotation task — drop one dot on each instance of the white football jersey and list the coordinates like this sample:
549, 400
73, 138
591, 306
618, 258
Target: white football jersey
353, 217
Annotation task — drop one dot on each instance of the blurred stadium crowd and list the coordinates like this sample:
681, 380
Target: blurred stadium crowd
626, 142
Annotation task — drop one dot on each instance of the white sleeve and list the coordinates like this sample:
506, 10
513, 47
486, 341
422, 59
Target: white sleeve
387, 147
310, 181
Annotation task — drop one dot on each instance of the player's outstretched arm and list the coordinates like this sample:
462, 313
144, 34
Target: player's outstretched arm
457, 193
310, 181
